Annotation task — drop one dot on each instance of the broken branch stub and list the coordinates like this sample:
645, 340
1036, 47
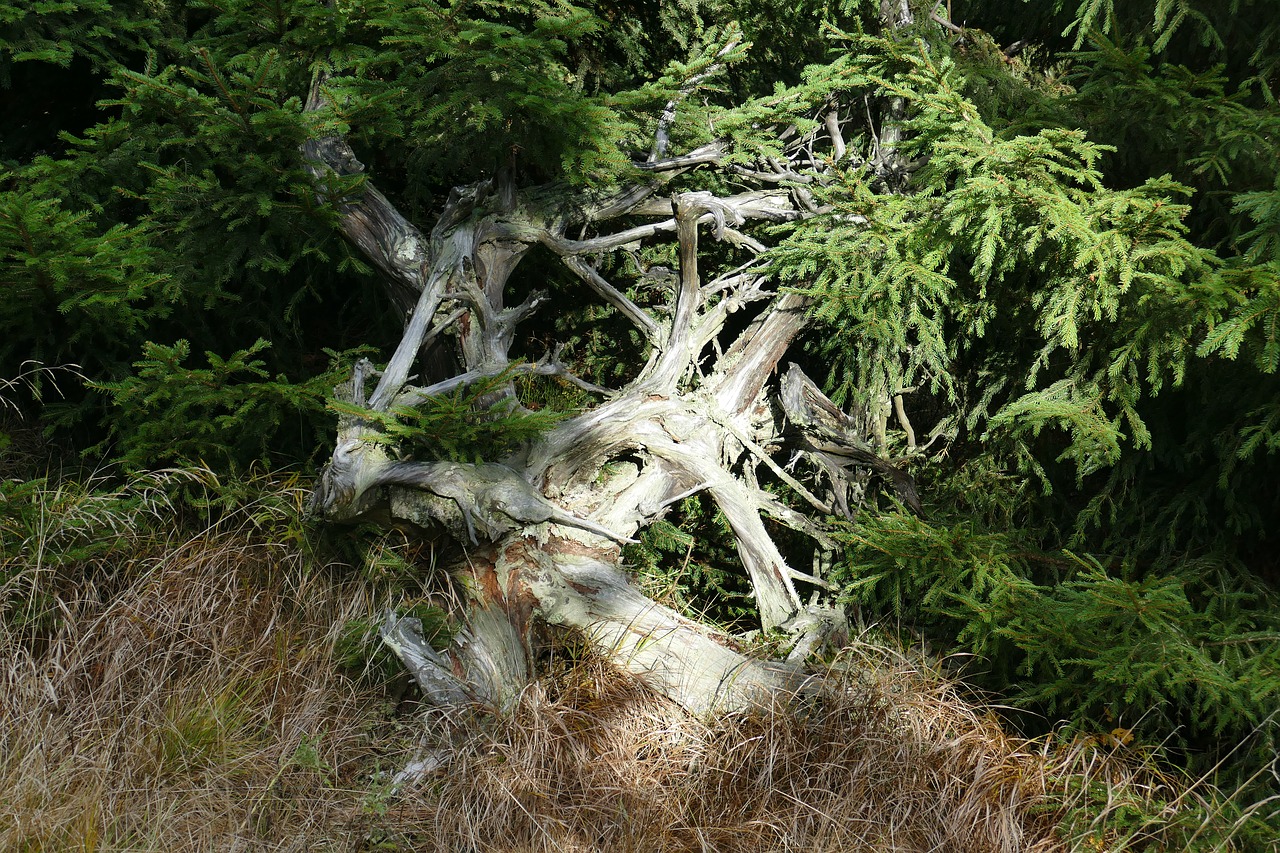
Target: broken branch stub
834, 437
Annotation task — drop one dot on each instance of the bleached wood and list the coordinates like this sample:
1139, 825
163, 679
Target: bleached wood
542, 530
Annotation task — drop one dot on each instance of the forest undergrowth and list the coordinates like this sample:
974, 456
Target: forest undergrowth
181, 669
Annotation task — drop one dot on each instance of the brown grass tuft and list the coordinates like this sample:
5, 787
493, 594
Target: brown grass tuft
184, 700
187, 698
590, 761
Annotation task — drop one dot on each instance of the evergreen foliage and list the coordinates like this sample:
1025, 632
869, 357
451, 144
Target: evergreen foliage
459, 425
170, 413
58, 31
689, 563
1066, 311
94, 288
1067, 266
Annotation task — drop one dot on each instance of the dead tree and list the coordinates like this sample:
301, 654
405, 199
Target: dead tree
543, 529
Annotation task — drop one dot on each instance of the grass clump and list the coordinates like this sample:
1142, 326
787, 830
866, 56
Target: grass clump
186, 675
169, 691
897, 760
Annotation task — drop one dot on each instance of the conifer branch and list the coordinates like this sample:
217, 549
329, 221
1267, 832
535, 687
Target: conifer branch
661, 136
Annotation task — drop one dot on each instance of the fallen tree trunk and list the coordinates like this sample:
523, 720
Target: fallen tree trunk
542, 530
565, 583
552, 554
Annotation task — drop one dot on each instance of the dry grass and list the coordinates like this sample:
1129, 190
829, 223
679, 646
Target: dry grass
591, 762
188, 700
185, 700
896, 761
195, 710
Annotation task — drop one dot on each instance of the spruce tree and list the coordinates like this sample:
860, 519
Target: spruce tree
969, 317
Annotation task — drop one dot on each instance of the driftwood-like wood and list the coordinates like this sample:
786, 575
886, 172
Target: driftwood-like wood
543, 530
833, 438
492, 494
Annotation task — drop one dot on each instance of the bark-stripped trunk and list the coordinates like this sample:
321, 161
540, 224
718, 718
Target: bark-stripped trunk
543, 530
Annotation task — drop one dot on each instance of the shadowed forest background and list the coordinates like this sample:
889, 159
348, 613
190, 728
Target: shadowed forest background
1025, 261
